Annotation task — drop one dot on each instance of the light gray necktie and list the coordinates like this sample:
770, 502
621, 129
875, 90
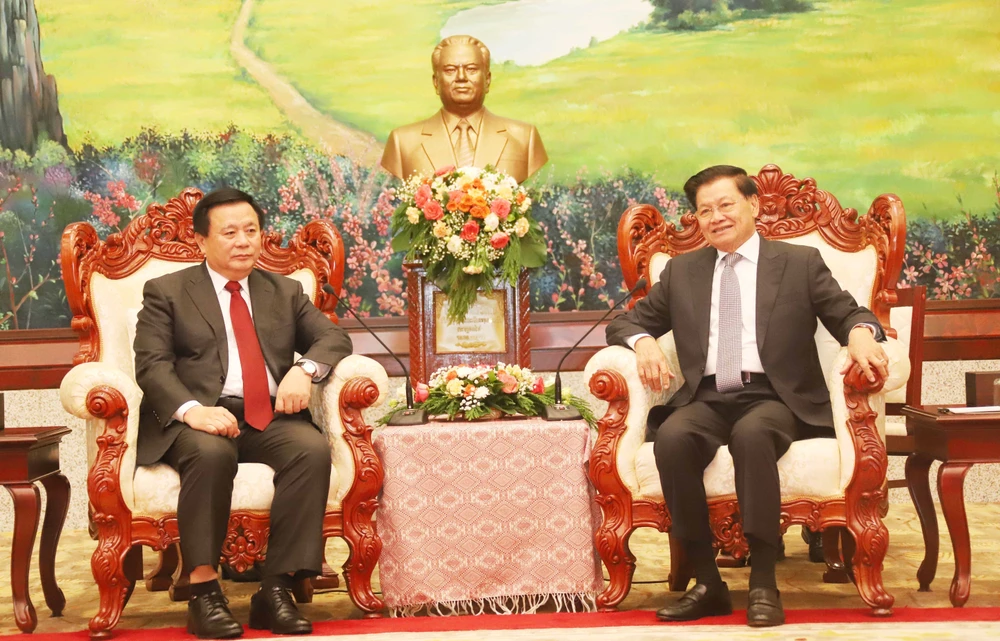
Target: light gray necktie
728, 364
465, 150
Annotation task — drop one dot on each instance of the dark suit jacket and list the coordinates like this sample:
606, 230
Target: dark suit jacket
794, 288
422, 147
181, 349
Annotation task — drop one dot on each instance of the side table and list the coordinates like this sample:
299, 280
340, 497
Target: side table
29, 454
959, 441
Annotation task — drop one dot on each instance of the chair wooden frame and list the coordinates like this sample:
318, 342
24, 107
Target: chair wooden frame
789, 207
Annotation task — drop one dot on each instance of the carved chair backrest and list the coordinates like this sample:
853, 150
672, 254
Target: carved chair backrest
104, 279
864, 254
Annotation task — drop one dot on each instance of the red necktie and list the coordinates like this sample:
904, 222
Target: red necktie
257, 409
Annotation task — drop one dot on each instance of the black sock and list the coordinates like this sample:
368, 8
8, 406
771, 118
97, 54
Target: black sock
763, 558
701, 555
201, 589
283, 580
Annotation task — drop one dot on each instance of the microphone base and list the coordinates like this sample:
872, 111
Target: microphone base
409, 416
560, 412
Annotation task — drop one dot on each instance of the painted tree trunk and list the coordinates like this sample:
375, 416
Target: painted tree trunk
29, 105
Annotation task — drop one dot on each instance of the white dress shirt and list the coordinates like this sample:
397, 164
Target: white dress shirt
234, 376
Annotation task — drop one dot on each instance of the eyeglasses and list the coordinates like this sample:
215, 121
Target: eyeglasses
706, 211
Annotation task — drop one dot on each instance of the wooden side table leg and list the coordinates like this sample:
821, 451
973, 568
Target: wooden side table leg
951, 477
918, 468
27, 505
57, 495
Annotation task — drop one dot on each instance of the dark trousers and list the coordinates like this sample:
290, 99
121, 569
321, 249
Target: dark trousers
757, 427
298, 453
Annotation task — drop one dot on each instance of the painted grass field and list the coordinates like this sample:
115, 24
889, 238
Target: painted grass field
126, 64
865, 95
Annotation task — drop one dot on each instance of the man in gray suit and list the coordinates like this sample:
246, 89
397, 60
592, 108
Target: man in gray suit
214, 352
743, 312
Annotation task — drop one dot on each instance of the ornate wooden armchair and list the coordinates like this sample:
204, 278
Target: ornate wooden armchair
132, 505
825, 483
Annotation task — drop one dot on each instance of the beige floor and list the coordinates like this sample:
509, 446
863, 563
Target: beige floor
800, 581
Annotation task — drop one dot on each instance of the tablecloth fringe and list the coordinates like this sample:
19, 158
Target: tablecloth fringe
514, 604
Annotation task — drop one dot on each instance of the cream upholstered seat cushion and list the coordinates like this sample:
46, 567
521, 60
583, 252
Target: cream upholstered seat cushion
809, 468
157, 487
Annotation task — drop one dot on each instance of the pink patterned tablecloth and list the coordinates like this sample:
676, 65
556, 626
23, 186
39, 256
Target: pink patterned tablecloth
496, 516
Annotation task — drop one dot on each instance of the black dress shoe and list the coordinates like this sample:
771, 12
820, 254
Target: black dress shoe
764, 608
700, 601
209, 617
273, 609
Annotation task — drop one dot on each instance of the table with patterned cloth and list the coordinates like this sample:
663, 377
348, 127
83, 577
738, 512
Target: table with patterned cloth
494, 516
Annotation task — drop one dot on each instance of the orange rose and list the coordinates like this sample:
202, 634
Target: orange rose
478, 184
465, 204
452, 374
478, 211
469, 390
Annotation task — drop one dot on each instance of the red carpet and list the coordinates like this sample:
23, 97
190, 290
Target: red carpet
564, 620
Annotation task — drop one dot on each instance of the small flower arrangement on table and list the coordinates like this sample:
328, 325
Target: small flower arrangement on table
486, 391
468, 226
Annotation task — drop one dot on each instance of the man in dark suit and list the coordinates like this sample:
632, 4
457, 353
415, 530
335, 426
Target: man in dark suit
214, 357
743, 312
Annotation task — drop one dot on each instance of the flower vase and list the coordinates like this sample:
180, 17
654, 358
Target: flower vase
493, 415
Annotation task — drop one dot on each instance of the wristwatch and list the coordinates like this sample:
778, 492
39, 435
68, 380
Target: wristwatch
308, 367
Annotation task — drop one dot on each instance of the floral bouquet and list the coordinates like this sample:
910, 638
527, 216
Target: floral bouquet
485, 391
469, 226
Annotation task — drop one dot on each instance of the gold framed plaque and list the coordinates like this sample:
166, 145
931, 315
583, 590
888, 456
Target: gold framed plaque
482, 332
495, 329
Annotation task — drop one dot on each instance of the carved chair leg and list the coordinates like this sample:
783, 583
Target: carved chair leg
180, 589
303, 590
681, 571
612, 544
329, 579
364, 547
866, 542
836, 570
162, 577
133, 570
109, 567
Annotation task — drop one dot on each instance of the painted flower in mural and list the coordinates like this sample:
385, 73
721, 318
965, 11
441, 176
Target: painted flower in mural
476, 226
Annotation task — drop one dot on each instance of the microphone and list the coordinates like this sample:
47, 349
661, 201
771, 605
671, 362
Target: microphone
559, 411
411, 415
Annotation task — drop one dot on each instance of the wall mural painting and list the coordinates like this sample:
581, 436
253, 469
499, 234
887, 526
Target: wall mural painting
107, 107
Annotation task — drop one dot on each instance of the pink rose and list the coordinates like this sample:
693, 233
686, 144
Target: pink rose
445, 170
499, 240
470, 231
539, 386
500, 207
509, 382
433, 210
423, 195
421, 392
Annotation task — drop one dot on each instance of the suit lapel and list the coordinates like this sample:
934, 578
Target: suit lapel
262, 309
700, 271
770, 267
436, 142
492, 140
206, 301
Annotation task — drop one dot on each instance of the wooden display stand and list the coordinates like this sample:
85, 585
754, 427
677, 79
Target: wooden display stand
494, 331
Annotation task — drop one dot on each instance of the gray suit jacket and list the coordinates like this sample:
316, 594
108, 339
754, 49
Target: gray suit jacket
181, 349
794, 288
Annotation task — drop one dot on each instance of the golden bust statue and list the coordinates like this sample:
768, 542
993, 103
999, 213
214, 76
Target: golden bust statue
464, 133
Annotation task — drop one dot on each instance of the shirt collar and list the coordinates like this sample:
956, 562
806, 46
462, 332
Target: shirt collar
219, 281
749, 250
451, 120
